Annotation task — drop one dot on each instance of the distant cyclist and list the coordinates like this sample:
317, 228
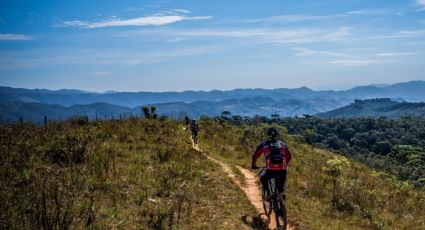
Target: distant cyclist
277, 156
194, 127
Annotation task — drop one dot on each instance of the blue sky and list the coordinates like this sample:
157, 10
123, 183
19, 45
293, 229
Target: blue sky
164, 45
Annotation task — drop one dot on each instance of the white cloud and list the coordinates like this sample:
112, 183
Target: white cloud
399, 35
15, 37
177, 11
354, 62
309, 52
274, 36
395, 54
412, 32
75, 23
365, 12
135, 8
141, 21
102, 73
104, 58
421, 4
175, 40
290, 18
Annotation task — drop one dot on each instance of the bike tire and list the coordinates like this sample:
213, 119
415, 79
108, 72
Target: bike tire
267, 205
281, 215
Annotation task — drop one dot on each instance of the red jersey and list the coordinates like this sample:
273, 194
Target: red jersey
264, 148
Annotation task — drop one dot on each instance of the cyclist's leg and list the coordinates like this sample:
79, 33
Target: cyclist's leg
264, 179
195, 136
281, 181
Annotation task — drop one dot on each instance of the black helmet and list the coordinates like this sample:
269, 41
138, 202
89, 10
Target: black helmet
272, 133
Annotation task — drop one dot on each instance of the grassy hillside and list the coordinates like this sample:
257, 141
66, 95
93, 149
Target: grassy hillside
134, 174
325, 191
143, 174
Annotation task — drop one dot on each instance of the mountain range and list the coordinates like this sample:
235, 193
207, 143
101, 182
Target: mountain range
409, 91
382, 107
33, 104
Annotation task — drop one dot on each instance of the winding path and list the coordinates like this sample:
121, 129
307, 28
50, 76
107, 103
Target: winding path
250, 186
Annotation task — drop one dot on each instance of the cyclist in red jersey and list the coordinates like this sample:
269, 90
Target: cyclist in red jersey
277, 156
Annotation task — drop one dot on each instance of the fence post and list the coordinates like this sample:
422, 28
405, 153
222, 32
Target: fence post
45, 120
105, 117
96, 116
21, 120
120, 117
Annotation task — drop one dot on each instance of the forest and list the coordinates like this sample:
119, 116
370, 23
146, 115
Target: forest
393, 145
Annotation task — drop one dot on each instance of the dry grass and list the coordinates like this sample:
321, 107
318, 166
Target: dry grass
133, 174
361, 199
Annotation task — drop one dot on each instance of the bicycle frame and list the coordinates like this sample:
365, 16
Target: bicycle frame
276, 203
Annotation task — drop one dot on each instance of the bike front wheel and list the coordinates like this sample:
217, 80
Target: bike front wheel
266, 204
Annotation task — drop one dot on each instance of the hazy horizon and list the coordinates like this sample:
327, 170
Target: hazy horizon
163, 45
209, 90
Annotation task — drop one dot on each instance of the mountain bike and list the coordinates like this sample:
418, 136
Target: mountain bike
276, 203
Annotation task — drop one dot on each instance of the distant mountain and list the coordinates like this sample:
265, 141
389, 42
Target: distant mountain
250, 106
34, 112
409, 91
377, 108
33, 104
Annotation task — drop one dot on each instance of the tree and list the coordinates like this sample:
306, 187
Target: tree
146, 112
275, 117
226, 115
153, 112
150, 112
237, 118
382, 147
309, 136
334, 169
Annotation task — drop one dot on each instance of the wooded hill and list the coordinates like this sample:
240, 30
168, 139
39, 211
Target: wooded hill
394, 145
383, 107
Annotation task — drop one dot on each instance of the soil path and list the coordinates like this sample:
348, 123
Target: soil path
250, 187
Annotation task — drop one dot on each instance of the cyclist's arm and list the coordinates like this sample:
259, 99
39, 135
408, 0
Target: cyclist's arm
257, 153
285, 150
288, 155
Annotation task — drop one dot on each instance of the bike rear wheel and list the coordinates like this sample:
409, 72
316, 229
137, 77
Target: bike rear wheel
280, 213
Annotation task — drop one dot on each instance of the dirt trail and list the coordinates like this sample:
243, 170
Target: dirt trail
250, 187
